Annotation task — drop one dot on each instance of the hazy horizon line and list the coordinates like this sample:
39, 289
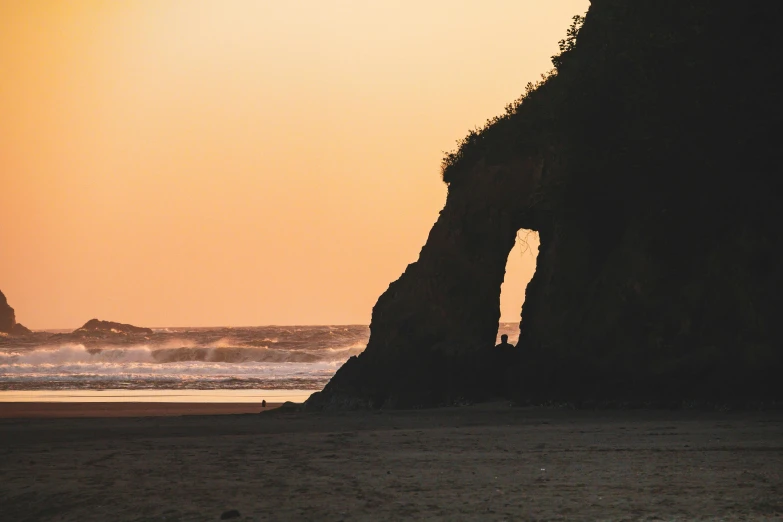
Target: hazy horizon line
71, 329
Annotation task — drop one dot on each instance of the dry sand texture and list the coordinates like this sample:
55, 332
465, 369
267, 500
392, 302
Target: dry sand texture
487, 462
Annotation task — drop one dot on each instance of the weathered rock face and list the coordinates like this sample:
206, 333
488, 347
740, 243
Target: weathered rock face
20, 329
448, 301
96, 326
656, 275
648, 167
7, 317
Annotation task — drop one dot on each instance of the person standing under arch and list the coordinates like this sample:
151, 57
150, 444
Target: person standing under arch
504, 344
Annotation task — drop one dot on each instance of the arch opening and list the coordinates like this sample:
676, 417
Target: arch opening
520, 268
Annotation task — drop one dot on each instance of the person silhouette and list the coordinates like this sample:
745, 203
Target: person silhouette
504, 344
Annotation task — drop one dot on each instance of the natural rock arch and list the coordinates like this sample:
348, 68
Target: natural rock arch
445, 308
649, 167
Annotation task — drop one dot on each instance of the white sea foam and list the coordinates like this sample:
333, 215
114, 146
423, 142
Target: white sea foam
293, 357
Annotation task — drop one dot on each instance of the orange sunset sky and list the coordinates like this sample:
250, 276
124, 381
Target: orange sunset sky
242, 162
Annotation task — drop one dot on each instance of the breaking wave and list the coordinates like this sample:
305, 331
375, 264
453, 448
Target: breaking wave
269, 357
78, 353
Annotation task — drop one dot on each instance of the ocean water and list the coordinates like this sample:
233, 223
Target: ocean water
299, 359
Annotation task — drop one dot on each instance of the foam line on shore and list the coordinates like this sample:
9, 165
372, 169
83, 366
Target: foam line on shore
63, 410
152, 396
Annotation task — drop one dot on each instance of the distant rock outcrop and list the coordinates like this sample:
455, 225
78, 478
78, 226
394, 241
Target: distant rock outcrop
7, 317
20, 329
8, 324
96, 326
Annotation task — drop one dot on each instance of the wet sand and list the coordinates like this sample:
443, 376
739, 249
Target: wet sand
27, 410
484, 462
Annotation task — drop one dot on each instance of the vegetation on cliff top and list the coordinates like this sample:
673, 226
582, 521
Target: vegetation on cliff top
504, 132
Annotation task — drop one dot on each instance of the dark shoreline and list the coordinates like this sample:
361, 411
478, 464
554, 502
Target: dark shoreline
67, 410
486, 461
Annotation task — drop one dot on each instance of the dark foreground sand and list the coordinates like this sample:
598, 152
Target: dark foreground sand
485, 462
30, 410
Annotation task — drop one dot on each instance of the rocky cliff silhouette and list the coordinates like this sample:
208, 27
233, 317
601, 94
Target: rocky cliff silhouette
650, 167
8, 324
97, 327
7, 316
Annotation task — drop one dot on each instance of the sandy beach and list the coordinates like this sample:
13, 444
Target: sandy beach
31, 410
483, 462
